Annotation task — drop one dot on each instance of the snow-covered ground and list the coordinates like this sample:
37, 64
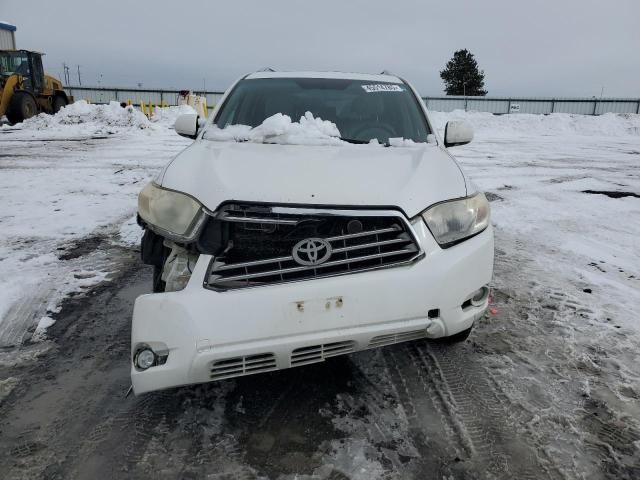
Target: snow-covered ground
560, 346
68, 184
75, 175
537, 168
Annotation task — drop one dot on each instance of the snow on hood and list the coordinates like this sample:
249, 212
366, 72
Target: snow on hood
351, 175
280, 129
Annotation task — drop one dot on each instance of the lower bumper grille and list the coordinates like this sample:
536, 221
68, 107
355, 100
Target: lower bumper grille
269, 245
238, 366
317, 353
392, 338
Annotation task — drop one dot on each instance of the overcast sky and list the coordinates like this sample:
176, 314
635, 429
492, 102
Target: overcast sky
541, 48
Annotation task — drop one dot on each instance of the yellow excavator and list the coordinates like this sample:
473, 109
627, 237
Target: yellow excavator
25, 90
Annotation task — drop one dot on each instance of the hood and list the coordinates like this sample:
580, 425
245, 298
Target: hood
410, 178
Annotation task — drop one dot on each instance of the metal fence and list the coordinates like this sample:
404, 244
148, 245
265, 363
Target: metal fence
497, 105
501, 105
136, 96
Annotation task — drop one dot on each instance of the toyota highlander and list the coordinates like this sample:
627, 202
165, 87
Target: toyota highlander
314, 215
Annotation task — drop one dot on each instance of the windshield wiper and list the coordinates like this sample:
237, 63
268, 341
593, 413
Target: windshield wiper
354, 140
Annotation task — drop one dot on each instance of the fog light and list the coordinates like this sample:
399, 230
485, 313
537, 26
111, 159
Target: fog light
480, 296
145, 359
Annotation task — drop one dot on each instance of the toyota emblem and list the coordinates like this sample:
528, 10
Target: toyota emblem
311, 251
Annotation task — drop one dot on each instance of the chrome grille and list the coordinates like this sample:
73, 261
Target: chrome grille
238, 366
260, 241
318, 353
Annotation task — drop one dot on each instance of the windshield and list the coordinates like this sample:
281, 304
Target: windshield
362, 110
13, 63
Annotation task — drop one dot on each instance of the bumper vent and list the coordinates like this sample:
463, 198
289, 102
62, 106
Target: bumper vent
317, 353
262, 244
238, 366
392, 338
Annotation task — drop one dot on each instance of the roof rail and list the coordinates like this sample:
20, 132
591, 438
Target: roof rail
265, 69
387, 72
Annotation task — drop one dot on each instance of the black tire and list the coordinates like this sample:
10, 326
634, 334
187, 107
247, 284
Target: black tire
22, 106
456, 338
158, 283
58, 102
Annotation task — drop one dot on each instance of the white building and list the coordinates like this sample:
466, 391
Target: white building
7, 36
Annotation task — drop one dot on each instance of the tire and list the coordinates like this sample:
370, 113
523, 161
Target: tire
456, 338
58, 102
158, 283
22, 106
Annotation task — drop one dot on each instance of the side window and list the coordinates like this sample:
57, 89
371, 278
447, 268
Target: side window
21, 64
38, 73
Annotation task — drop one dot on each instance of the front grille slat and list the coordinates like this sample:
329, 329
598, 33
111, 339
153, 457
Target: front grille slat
324, 265
259, 220
261, 243
377, 244
364, 234
255, 263
238, 366
318, 353
391, 338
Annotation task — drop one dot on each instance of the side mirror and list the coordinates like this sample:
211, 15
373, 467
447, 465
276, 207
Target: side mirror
457, 133
187, 125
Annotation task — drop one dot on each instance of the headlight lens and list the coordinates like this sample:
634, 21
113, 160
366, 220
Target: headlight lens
453, 221
173, 212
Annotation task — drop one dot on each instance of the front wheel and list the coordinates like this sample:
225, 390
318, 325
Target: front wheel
158, 284
21, 107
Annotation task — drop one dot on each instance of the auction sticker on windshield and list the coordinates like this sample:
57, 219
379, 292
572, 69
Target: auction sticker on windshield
382, 87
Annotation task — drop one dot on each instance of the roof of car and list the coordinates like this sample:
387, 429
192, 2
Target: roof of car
340, 75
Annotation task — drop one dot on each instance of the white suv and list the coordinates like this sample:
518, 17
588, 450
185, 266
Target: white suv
315, 215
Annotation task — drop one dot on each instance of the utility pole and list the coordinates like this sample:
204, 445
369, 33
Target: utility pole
66, 73
79, 78
464, 92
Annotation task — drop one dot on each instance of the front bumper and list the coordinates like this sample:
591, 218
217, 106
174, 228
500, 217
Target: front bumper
211, 335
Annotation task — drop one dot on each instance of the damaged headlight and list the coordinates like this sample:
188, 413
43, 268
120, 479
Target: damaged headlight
176, 215
453, 221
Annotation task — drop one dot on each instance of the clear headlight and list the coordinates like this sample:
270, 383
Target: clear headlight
453, 221
175, 213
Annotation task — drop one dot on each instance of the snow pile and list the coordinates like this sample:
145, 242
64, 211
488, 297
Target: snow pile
555, 124
401, 142
109, 118
86, 119
280, 129
167, 116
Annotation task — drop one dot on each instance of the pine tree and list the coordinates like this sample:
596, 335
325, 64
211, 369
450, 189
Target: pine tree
461, 75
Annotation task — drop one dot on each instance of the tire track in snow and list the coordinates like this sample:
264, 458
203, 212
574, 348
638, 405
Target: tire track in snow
465, 414
496, 444
440, 445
